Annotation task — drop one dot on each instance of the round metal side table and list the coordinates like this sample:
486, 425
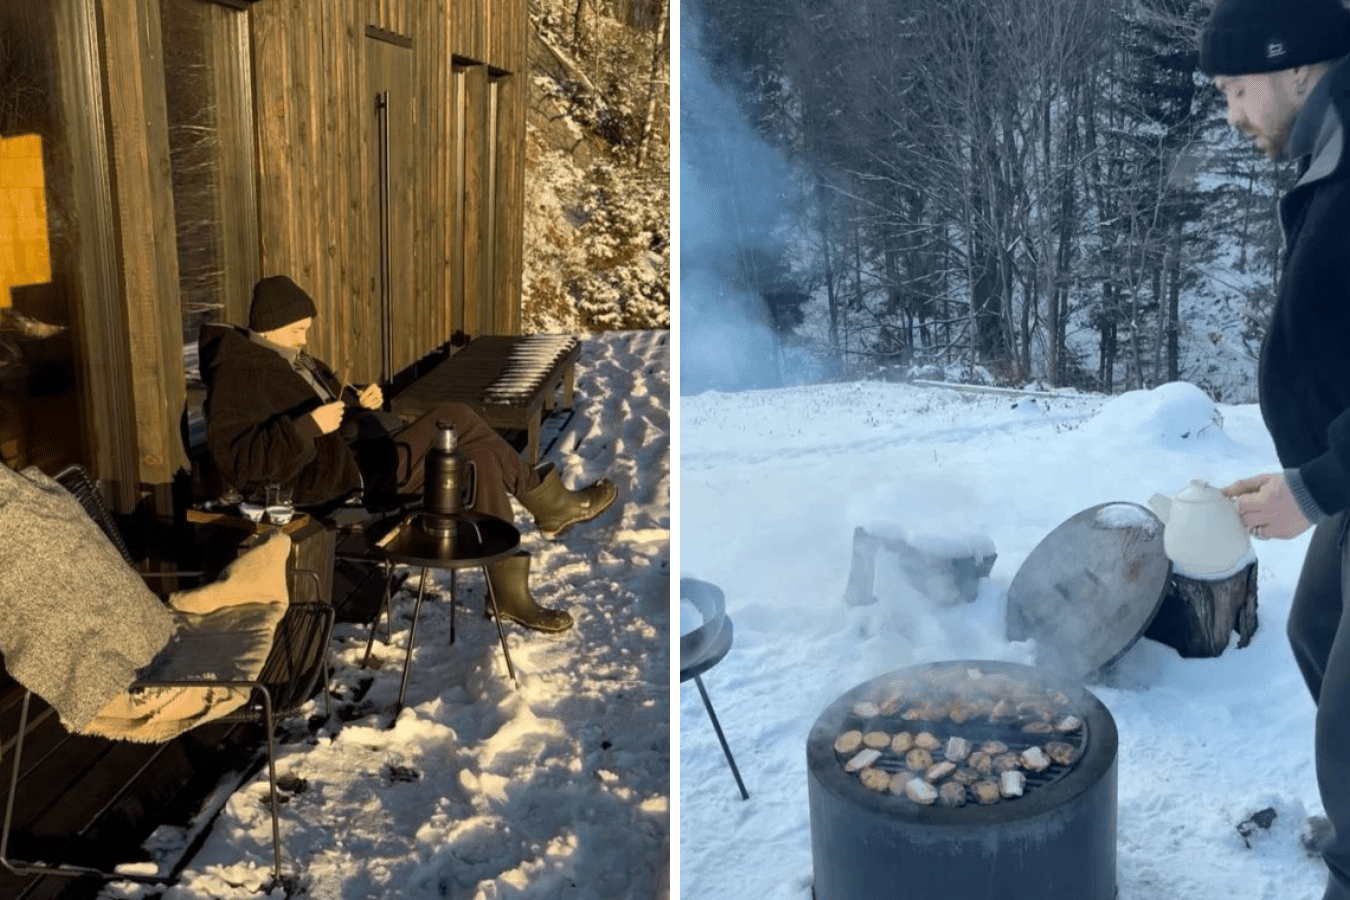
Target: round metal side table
476, 541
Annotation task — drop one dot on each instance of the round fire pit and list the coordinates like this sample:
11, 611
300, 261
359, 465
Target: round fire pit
1012, 796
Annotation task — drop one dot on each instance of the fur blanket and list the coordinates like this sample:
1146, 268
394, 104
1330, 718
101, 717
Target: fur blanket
78, 626
224, 632
76, 622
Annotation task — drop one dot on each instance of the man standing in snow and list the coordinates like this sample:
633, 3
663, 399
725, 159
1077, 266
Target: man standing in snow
1281, 67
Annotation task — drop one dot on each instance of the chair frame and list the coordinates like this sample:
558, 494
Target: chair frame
278, 691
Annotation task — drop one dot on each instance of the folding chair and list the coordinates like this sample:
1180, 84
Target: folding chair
296, 666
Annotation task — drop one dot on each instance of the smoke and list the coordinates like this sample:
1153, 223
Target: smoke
733, 190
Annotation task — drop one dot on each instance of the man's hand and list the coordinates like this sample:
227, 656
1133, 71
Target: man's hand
371, 397
329, 416
1267, 507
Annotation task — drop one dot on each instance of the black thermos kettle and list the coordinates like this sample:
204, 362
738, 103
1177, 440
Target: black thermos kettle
448, 478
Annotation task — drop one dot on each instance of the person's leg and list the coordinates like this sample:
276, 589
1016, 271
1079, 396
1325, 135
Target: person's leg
1315, 615
499, 468
500, 472
1319, 631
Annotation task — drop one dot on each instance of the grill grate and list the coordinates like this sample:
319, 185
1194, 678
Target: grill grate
977, 732
956, 702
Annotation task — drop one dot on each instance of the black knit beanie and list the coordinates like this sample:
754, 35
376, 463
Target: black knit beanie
278, 301
1247, 36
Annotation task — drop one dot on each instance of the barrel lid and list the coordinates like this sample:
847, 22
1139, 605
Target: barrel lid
1090, 588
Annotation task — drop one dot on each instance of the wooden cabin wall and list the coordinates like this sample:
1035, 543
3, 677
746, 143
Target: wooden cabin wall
125, 296
317, 67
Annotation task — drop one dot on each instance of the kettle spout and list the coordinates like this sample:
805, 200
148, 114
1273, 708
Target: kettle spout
1161, 506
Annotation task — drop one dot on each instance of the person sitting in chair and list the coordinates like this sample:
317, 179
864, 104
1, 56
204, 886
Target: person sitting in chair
276, 415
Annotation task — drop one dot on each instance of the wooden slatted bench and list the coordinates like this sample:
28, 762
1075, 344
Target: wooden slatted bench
509, 380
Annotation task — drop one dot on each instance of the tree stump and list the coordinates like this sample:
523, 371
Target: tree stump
945, 574
1197, 615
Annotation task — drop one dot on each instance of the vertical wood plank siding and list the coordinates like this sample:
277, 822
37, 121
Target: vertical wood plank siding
144, 223
315, 74
311, 96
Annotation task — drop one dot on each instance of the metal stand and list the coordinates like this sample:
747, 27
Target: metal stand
478, 541
706, 662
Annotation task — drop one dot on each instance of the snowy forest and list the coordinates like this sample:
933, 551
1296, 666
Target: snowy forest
597, 218
1008, 191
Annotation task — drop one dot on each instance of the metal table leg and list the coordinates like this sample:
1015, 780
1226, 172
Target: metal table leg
452, 606
386, 606
412, 640
501, 634
698, 680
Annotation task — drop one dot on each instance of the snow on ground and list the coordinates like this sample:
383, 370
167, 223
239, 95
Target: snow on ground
772, 484
558, 788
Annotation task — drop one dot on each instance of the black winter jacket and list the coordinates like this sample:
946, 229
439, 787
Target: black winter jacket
1305, 358
258, 428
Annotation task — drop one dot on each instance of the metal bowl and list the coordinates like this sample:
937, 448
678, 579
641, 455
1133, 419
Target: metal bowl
709, 600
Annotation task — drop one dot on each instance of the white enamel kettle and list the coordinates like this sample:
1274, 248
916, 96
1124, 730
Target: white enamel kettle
1202, 531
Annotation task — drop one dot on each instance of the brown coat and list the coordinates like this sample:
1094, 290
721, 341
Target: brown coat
258, 427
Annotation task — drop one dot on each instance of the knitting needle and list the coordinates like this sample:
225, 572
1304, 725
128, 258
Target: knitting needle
346, 371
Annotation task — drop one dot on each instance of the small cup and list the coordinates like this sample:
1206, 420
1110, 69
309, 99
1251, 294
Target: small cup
280, 514
252, 511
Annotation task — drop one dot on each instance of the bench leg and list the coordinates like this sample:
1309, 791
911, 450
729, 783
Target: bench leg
569, 385
532, 440
551, 397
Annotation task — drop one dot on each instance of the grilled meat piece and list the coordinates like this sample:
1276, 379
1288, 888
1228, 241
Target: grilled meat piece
986, 792
1035, 760
866, 709
1060, 752
959, 711
921, 792
951, 794
1012, 783
875, 779
958, 748
877, 740
918, 760
864, 759
848, 742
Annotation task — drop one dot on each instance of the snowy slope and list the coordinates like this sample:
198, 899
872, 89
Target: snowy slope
773, 484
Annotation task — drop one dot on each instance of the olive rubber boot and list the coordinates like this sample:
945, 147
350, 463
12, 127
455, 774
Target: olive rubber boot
556, 508
510, 584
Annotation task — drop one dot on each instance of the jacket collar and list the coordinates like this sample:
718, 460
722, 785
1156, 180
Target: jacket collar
1318, 131
290, 354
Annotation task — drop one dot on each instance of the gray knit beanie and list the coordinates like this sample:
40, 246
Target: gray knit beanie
278, 301
1247, 36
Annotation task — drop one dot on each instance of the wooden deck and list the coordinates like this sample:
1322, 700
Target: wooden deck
93, 802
